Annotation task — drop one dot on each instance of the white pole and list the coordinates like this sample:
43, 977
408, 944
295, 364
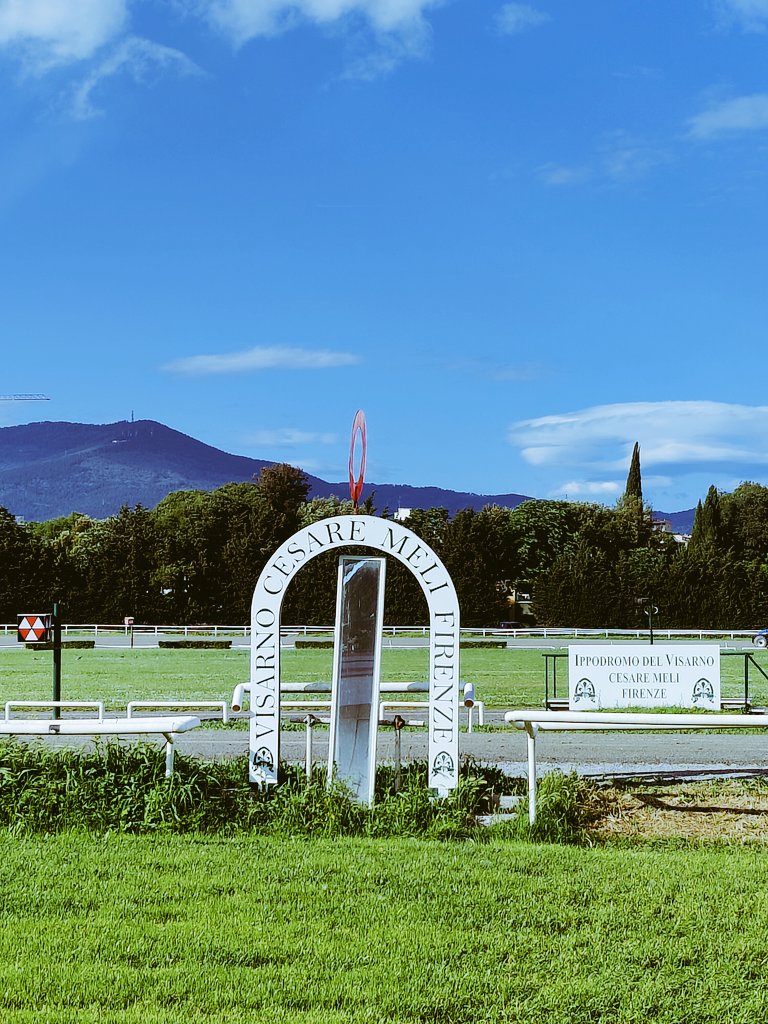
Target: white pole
169, 755
531, 729
309, 720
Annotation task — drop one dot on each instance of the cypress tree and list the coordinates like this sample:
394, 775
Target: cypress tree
707, 526
634, 488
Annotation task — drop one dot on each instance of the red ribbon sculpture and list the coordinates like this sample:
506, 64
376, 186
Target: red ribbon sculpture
356, 486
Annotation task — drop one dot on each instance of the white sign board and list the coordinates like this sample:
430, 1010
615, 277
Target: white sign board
644, 676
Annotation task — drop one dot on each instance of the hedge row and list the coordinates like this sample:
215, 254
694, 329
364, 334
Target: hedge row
202, 645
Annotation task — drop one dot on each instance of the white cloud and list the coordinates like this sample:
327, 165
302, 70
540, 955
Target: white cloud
752, 15
49, 32
621, 158
385, 32
288, 437
275, 358
591, 488
514, 18
682, 438
493, 369
628, 159
138, 58
246, 19
559, 175
742, 114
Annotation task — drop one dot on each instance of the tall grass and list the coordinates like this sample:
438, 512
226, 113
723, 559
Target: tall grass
124, 789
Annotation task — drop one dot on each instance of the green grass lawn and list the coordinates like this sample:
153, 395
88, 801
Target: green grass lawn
502, 678
100, 930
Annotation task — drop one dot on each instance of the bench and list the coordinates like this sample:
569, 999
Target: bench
533, 721
166, 726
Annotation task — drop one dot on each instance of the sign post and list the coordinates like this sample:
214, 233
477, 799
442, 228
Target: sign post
56, 625
45, 628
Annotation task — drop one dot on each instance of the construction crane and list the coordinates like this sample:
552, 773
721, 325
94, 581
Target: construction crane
24, 398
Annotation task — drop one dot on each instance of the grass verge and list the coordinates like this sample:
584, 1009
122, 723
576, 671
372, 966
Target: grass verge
172, 929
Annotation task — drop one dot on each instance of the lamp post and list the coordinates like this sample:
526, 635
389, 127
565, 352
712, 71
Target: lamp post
650, 609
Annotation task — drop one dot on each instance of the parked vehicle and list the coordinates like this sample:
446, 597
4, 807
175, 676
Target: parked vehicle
760, 639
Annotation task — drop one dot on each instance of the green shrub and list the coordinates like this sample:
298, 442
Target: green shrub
198, 645
563, 810
66, 645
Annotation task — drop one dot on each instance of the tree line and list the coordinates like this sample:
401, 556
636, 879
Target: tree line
195, 559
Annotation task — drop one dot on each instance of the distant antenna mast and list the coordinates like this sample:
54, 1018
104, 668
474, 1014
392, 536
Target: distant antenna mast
24, 398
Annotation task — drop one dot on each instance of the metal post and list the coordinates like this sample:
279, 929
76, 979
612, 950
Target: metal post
56, 624
398, 723
554, 676
309, 721
531, 728
747, 659
169, 750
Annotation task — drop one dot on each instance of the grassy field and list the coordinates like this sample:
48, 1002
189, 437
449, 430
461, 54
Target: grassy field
654, 922
100, 930
502, 678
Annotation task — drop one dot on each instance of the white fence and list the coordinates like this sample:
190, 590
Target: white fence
544, 632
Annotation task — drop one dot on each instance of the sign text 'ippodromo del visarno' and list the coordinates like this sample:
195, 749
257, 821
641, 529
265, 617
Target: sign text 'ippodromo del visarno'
637, 675
391, 538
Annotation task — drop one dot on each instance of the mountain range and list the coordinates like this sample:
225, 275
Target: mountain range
51, 469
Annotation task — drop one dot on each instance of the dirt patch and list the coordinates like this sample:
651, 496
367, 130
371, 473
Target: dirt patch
722, 811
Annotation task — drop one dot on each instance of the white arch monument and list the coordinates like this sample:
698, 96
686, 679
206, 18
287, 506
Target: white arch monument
390, 538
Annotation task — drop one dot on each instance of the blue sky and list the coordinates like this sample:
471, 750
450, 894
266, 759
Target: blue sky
519, 236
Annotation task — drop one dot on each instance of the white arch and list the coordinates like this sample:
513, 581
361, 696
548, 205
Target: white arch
391, 538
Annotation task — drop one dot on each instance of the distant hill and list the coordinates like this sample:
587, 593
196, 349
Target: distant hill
52, 469
680, 522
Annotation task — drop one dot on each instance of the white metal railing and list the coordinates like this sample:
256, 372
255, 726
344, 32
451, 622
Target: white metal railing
164, 726
535, 721
545, 632
97, 705
179, 705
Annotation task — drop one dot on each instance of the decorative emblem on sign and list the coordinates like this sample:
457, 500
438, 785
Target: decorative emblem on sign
584, 690
356, 485
262, 758
443, 764
703, 690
